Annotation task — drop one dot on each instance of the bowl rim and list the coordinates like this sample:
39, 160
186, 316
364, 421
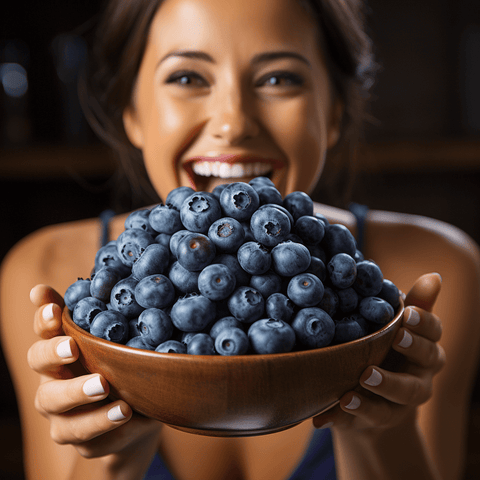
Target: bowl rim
66, 318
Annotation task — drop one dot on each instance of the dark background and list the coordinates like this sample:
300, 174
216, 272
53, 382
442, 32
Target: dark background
423, 152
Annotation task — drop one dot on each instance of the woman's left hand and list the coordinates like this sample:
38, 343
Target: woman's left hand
384, 398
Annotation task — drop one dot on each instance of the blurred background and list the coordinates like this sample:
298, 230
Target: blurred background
422, 155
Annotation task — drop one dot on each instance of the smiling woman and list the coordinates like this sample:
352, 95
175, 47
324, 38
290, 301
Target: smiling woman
201, 93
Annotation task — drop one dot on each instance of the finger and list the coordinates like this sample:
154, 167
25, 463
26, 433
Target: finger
425, 291
399, 388
329, 418
43, 294
59, 396
419, 350
49, 355
47, 321
374, 411
423, 323
87, 423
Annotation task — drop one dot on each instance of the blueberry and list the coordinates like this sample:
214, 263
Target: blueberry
199, 211
254, 258
175, 239
231, 261
282, 209
122, 298
227, 234
155, 291
369, 281
347, 300
330, 301
172, 346
225, 323
313, 327
239, 200
201, 344
154, 259
133, 330
317, 251
155, 326
217, 191
183, 280
342, 270
322, 218
290, 259
246, 304
216, 282
131, 243
163, 239
270, 226
137, 342
298, 204
310, 229
305, 290
347, 329
165, 219
76, 291
102, 283
376, 310
192, 313
318, 268
186, 337
110, 325
178, 195
271, 336
267, 283
107, 256
261, 181
139, 219
195, 251
390, 293
359, 256
85, 311
338, 239
232, 341
248, 232
268, 194
279, 307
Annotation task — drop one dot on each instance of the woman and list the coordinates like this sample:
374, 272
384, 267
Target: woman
276, 83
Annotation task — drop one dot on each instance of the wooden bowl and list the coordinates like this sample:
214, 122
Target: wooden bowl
232, 396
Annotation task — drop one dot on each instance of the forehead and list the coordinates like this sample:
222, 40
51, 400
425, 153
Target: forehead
234, 25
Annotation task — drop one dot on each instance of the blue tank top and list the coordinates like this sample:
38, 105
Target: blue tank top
318, 461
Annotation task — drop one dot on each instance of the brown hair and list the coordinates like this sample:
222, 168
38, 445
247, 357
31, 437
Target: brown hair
117, 48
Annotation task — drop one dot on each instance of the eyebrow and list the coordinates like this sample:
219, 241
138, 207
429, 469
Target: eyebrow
257, 59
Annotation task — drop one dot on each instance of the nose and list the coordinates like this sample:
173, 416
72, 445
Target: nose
233, 119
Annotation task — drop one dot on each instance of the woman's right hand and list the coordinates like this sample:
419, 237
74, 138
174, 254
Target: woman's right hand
74, 401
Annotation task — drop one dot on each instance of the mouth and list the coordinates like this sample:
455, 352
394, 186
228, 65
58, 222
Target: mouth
206, 172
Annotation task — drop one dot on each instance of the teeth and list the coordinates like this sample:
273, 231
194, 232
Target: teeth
226, 170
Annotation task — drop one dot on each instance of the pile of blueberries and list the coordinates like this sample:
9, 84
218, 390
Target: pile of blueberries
237, 271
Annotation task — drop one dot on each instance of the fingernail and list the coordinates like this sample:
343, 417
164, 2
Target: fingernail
93, 387
413, 317
47, 313
406, 340
374, 379
439, 276
115, 414
326, 425
64, 350
354, 403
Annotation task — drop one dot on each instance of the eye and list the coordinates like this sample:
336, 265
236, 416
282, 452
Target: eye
281, 79
187, 78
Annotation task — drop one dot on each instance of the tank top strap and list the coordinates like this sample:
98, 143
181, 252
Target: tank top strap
360, 212
105, 218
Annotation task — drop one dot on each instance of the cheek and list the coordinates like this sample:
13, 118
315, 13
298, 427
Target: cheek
169, 129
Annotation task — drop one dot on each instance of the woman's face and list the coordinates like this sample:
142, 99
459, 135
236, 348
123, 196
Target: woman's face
230, 90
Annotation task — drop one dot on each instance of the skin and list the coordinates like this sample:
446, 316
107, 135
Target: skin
410, 424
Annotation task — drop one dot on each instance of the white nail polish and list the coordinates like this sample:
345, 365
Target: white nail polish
354, 403
64, 350
374, 379
93, 387
406, 340
327, 425
47, 313
115, 414
413, 318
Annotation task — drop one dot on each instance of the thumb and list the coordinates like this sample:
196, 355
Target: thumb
425, 291
43, 294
